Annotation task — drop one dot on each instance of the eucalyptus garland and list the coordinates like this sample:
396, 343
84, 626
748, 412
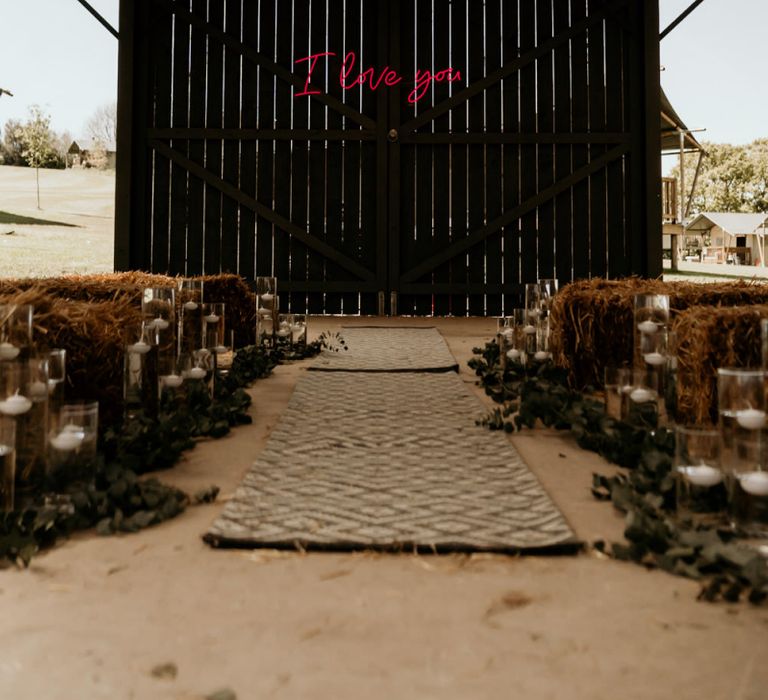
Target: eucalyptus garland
118, 500
727, 569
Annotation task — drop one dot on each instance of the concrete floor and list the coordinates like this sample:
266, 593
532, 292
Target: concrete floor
93, 617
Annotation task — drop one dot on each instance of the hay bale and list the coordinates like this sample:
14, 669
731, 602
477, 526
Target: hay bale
240, 312
592, 320
94, 334
97, 287
120, 286
709, 338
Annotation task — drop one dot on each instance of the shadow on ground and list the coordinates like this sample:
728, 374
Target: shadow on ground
8, 218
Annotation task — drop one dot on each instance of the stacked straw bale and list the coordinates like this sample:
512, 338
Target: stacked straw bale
103, 287
123, 286
94, 335
709, 338
593, 320
94, 317
240, 311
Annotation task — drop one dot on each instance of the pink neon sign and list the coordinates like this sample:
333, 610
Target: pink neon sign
373, 78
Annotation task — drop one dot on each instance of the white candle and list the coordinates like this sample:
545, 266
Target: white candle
38, 390
702, 475
530, 329
160, 323
648, 327
15, 405
140, 348
172, 380
541, 355
267, 297
67, 440
751, 418
8, 351
513, 354
755, 483
190, 305
196, 373
212, 318
641, 395
654, 358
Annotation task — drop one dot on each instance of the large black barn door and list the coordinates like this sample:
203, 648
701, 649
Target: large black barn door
504, 141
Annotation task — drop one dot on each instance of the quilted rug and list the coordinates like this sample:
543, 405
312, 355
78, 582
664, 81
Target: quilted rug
388, 350
389, 461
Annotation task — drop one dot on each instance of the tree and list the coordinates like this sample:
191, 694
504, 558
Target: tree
12, 146
732, 178
38, 138
61, 143
102, 126
759, 154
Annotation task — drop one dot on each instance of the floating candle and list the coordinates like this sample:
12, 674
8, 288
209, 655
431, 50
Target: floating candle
190, 305
8, 351
211, 318
755, 483
647, 327
751, 418
160, 323
529, 329
15, 405
196, 373
654, 358
701, 475
641, 395
38, 390
172, 380
513, 354
67, 440
267, 297
140, 348
541, 355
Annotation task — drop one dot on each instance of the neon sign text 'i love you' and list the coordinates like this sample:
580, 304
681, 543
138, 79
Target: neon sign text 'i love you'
387, 77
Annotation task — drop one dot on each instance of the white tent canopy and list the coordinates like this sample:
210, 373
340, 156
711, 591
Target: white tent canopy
733, 224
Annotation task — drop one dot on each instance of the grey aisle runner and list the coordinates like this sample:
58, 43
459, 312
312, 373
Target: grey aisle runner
389, 461
389, 350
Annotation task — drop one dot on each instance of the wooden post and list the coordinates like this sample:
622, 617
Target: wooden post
653, 228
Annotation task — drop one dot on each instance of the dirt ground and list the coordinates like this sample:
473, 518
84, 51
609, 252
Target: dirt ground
93, 617
77, 208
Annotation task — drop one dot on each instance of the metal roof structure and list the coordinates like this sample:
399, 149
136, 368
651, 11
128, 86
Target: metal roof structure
733, 223
671, 126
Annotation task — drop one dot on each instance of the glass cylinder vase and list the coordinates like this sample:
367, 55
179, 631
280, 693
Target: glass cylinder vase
189, 300
651, 316
16, 331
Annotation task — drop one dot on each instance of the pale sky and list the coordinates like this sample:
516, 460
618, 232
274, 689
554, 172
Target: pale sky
55, 54
716, 68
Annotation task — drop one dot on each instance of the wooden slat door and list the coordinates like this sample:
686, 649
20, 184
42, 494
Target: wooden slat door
537, 158
526, 165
